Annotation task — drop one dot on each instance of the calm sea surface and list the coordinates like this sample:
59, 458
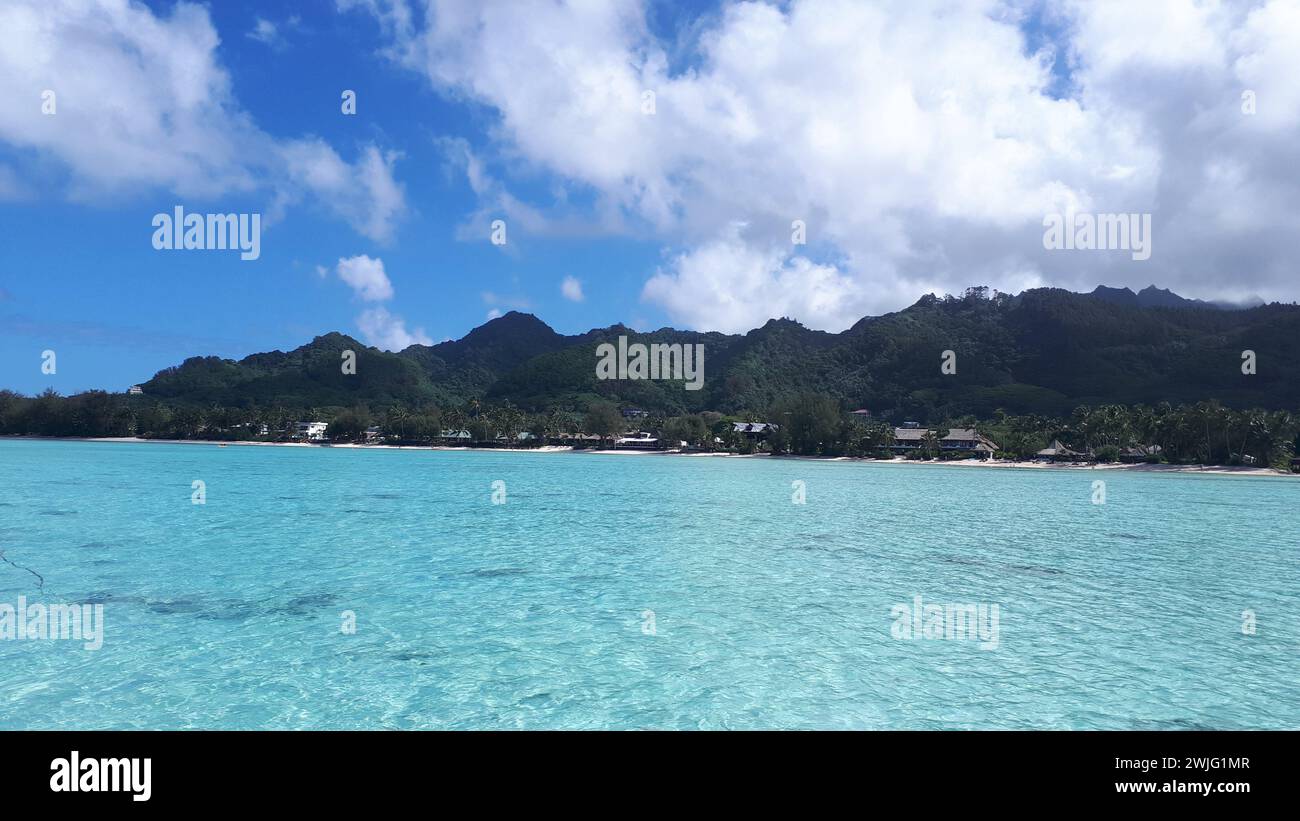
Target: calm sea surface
533, 613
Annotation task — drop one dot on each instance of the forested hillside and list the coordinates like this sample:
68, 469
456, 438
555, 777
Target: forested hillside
1044, 351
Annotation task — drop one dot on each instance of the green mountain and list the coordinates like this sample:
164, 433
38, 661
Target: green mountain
1043, 351
1153, 297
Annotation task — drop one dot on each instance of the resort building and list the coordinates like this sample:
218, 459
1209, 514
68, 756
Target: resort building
635, 413
135, 390
906, 439
1056, 452
641, 441
313, 431
1140, 453
957, 440
967, 439
756, 431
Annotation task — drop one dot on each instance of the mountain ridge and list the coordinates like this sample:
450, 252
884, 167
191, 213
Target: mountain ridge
1154, 297
1041, 351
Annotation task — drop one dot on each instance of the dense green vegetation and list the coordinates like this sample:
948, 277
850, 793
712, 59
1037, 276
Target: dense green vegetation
1043, 352
1100, 373
808, 424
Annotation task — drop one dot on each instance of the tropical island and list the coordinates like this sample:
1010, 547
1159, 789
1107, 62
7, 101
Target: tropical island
1106, 376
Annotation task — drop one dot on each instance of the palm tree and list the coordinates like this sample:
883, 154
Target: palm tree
1082, 424
878, 437
1279, 437
455, 419
509, 423
1210, 417
1142, 424
397, 420
1254, 426
931, 442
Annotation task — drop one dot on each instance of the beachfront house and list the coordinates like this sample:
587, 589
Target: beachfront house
312, 431
1140, 453
967, 439
455, 437
1056, 452
907, 439
912, 438
754, 431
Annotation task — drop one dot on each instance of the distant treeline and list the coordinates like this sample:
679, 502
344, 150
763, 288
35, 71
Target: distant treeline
807, 423
1043, 352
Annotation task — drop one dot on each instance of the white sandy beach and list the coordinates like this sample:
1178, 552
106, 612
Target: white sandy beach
1223, 470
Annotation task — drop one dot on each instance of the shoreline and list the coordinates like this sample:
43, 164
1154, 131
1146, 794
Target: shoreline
1141, 467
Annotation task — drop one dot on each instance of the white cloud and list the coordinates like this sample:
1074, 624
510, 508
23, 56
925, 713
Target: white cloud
386, 331
394, 18
379, 327
144, 104
724, 285
10, 188
365, 194
920, 142
1267, 49
366, 277
571, 288
493, 313
265, 32
496, 202
1154, 34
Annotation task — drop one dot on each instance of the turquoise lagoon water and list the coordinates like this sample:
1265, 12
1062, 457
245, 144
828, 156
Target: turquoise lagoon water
766, 614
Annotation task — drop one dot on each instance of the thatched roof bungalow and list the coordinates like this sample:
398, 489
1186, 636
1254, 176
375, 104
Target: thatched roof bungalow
1057, 452
955, 441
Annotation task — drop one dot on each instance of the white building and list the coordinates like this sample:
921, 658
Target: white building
135, 390
312, 430
641, 441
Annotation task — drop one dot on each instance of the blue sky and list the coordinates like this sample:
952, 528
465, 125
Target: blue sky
920, 143
83, 280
